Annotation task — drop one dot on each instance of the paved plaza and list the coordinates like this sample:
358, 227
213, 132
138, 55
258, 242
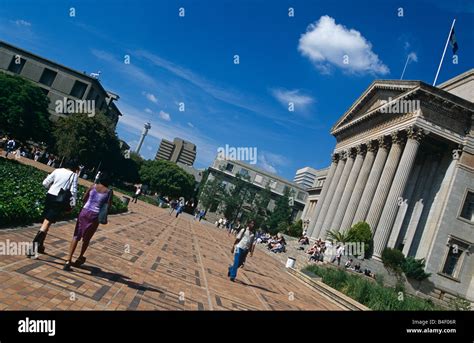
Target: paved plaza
148, 260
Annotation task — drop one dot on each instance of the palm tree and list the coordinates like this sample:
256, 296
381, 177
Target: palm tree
339, 236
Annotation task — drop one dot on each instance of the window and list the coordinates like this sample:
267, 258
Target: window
457, 249
78, 89
17, 64
229, 167
48, 76
244, 173
273, 184
300, 196
452, 260
467, 211
90, 95
258, 179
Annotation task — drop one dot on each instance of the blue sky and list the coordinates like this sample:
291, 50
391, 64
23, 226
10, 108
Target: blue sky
282, 59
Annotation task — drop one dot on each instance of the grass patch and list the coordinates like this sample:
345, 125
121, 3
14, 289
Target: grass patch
369, 293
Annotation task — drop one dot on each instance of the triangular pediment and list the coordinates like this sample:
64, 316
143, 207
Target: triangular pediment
379, 92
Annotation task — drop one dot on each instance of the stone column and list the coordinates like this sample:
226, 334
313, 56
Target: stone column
372, 181
349, 188
384, 227
359, 186
322, 196
338, 194
385, 182
439, 205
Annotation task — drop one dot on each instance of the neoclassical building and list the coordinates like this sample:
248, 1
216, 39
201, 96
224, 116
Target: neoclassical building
404, 163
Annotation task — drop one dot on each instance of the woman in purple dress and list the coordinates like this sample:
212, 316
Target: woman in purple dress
96, 197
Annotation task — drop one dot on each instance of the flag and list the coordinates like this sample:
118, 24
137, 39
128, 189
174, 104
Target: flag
453, 42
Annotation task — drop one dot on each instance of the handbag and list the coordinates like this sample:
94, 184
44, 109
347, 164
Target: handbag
64, 195
104, 211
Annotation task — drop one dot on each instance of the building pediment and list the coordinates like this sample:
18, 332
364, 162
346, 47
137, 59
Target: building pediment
403, 99
376, 96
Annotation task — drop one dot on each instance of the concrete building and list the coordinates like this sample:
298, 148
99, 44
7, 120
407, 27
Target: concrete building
404, 163
58, 82
177, 151
305, 177
314, 193
259, 180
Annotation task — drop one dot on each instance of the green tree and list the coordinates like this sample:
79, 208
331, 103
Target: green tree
393, 260
280, 216
167, 178
23, 109
90, 140
212, 191
415, 268
360, 232
238, 195
259, 207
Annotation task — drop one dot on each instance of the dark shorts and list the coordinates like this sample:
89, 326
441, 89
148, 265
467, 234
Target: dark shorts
52, 209
86, 225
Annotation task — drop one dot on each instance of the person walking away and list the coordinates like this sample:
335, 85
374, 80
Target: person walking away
97, 198
179, 208
10, 147
236, 228
173, 205
61, 197
202, 213
243, 245
138, 191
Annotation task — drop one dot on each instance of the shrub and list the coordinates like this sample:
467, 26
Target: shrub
295, 229
22, 195
415, 268
369, 293
393, 260
361, 232
459, 304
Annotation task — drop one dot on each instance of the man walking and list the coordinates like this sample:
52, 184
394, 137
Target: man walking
242, 246
10, 147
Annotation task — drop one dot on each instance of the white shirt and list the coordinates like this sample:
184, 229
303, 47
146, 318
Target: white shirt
61, 178
246, 239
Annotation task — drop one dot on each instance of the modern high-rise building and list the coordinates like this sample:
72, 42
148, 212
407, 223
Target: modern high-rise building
306, 177
178, 150
59, 83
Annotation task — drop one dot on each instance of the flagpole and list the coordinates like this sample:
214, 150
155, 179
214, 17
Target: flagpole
406, 63
444, 52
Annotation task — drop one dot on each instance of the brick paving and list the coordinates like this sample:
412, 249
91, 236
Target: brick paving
148, 260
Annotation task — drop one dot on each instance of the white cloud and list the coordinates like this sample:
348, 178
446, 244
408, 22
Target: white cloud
165, 116
147, 110
412, 57
326, 43
190, 124
151, 97
285, 96
21, 22
130, 71
270, 162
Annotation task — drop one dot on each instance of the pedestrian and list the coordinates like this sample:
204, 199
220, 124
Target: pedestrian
244, 244
235, 228
179, 208
173, 205
60, 198
37, 154
202, 213
138, 191
10, 147
97, 200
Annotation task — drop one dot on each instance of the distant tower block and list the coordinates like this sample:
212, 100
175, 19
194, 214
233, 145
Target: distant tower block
142, 138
